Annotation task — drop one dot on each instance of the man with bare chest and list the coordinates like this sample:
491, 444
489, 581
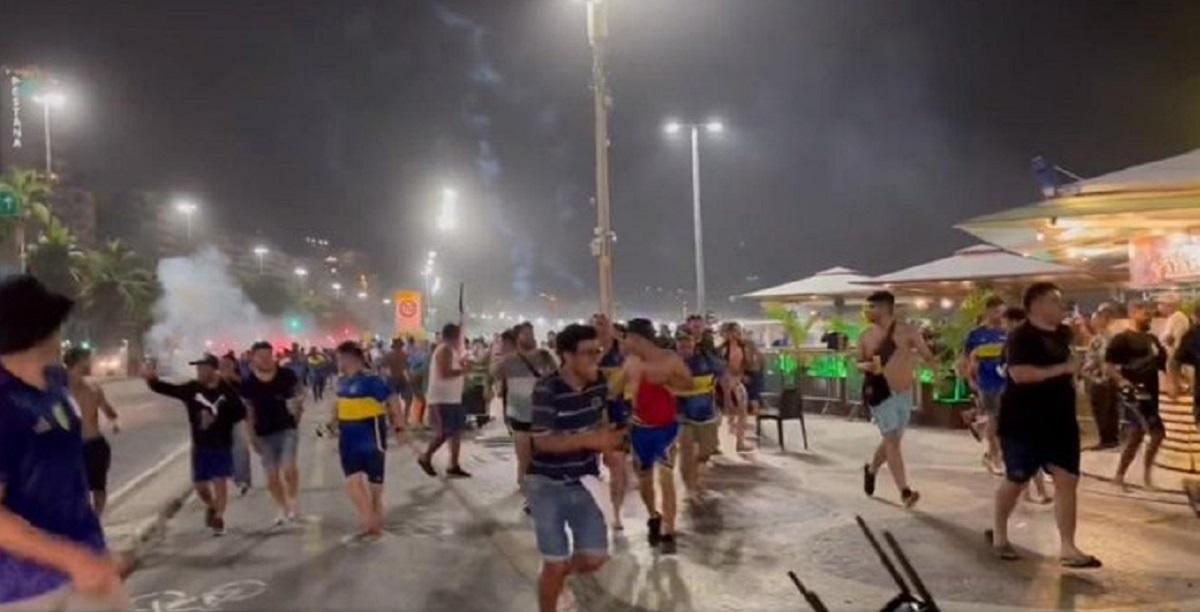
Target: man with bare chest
887, 355
97, 455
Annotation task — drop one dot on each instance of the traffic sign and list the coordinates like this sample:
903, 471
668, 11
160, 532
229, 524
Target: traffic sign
10, 204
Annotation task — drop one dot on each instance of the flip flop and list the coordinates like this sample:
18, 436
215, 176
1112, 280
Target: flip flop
1084, 562
1004, 553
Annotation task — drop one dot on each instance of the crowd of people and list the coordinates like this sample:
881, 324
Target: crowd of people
631, 397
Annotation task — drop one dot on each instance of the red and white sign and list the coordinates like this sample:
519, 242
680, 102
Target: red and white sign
408, 309
1164, 260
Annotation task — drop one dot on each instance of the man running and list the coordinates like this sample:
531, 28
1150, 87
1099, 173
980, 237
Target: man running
445, 395
1188, 353
213, 409
275, 401
1038, 429
698, 415
984, 352
738, 368
886, 355
648, 372
612, 359
52, 550
97, 455
364, 401
568, 434
1133, 359
518, 373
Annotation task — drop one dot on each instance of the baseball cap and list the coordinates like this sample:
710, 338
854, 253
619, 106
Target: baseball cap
208, 359
29, 313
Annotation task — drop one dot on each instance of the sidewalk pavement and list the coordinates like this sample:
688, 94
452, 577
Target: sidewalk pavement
466, 545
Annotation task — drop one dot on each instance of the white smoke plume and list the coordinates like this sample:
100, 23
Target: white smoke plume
202, 309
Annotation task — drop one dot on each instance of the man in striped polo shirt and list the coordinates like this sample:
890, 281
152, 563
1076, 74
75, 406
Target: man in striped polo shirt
569, 432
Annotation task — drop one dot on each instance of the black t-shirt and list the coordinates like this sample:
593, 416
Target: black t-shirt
1188, 353
1044, 410
212, 411
1140, 356
268, 400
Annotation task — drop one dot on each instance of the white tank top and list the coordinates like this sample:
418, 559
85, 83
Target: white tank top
444, 390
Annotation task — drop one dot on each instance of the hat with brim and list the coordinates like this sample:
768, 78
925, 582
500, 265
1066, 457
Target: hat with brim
29, 313
207, 360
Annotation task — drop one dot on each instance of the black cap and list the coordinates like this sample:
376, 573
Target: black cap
351, 347
29, 313
262, 344
643, 328
208, 360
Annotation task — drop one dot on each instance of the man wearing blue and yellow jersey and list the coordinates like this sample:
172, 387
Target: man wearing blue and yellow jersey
984, 352
697, 410
363, 403
612, 360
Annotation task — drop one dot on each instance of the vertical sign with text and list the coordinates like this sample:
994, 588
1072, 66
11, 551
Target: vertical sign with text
407, 305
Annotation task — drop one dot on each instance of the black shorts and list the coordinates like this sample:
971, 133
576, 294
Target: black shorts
1143, 414
1024, 456
97, 458
522, 426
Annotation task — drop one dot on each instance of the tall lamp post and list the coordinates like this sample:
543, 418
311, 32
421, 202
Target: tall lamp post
47, 100
261, 252
597, 31
712, 127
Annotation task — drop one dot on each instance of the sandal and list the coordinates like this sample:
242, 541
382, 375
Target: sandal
1005, 552
1084, 562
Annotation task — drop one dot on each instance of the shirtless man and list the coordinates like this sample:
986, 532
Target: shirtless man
654, 375
97, 456
886, 357
737, 365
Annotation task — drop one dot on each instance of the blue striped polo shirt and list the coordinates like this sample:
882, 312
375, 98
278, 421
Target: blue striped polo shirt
560, 409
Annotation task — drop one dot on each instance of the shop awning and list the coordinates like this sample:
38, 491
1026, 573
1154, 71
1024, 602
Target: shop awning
979, 263
827, 284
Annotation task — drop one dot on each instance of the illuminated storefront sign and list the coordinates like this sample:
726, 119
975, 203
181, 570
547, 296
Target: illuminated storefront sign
1164, 260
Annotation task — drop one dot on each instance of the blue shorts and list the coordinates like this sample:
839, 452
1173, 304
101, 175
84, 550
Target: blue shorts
618, 412
1023, 456
653, 445
362, 445
893, 414
449, 419
754, 387
211, 464
278, 450
557, 506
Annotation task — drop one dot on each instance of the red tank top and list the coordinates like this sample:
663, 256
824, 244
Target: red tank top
653, 406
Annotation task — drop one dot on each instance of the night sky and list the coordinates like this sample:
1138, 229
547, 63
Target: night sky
857, 131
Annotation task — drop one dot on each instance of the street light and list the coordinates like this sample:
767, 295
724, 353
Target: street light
261, 251
47, 100
597, 33
447, 218
187, 208
711, 126
362, 295
337, 290
301, 273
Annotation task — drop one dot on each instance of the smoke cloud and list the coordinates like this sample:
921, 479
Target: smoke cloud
202, 309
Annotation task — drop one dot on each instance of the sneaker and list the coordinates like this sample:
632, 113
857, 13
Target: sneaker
909, 497
654, 530
218, 527
290, 516
667, 544
210, 515
868, 481
427, 467
457, 472
280, 520
243, 489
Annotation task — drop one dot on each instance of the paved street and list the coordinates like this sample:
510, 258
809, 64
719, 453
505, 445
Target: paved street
151, 428
465, 545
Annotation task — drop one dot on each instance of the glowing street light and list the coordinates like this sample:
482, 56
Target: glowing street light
188, 209
49, 100
301, 273
260, 252
337, 289
712, 126
362, 295
437, 285
447, 218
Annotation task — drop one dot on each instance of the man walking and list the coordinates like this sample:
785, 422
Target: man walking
275, 401
697, 411
1133, 359
984, 351
886, 355
446, 384
52, 550
651, 373
518, 372
97, 455
1038, 430
1101, 389
364, 401
612, 361
1188, 354
213, 409
228, 372
568, 435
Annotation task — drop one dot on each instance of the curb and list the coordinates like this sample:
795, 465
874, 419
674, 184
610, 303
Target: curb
137, 481
138, 535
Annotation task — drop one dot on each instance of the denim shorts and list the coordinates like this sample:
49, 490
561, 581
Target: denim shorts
557, 506
893, 413
278, 449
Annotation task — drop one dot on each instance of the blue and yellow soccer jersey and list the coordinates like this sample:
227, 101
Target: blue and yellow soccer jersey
697, 405
362, 396
987, 346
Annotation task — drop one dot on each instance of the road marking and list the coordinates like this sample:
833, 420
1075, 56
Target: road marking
210, 600
116, 497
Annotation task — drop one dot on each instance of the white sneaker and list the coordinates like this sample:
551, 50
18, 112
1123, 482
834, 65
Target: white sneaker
280, 520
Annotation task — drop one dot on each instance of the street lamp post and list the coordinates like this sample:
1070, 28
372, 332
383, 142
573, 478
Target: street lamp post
337, 290
47, 100
597, 30
712, 127
261, 252
187, 209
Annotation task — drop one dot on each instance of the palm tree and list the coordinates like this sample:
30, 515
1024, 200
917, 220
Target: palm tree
32, 190
118, 291
54, 257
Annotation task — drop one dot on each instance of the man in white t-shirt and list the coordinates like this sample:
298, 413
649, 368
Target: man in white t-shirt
518, 373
